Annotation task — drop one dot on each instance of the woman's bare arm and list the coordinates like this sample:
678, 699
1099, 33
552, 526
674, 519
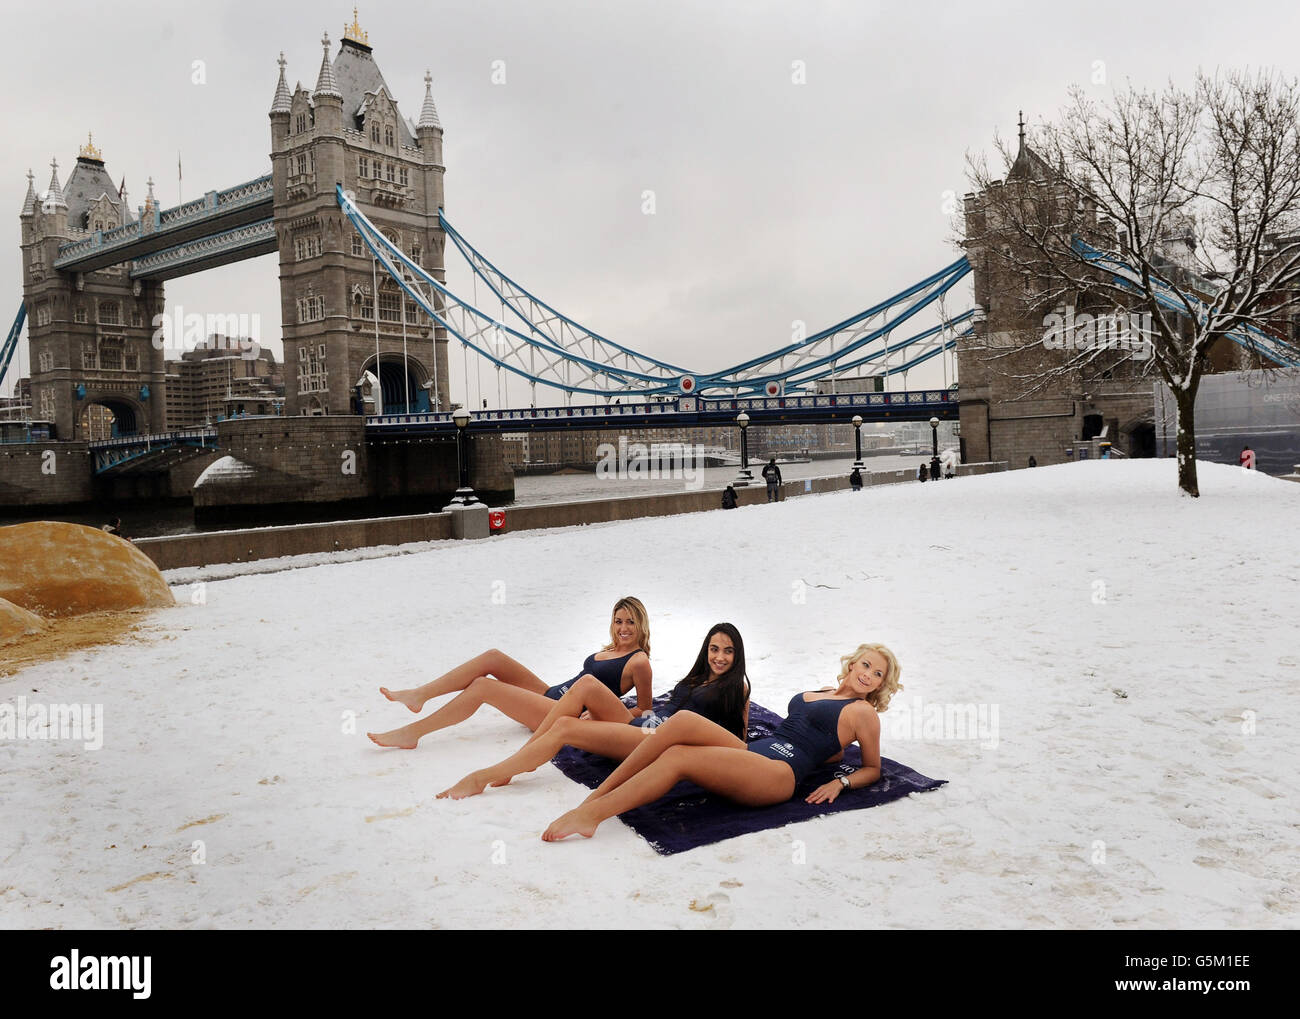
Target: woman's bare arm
642, 682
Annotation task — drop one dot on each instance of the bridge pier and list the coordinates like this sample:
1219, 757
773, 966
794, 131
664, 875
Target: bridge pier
288, 468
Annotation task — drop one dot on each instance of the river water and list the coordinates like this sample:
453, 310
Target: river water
148, 522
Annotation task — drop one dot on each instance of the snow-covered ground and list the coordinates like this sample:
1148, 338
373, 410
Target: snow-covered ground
1140, 650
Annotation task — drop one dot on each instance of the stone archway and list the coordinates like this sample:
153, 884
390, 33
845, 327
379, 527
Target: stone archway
396, 398
108, 417
1140, 434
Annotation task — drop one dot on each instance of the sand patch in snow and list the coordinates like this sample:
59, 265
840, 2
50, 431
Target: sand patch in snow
64, 636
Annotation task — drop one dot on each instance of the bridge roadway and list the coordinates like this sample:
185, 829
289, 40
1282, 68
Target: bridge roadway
216, 228
684, 412
128, 451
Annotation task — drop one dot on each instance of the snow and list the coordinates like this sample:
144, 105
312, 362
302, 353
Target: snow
225, 468
1138, 647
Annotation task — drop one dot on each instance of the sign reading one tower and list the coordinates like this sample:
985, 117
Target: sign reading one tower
349, 131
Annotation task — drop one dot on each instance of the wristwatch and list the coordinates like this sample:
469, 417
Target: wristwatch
844, 781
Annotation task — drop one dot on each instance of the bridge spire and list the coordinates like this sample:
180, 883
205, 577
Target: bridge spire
353, 32
281, 103
429, 113
54, 194
29, 202
326, 85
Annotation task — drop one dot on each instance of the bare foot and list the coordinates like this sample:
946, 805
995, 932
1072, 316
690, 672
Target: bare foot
407, 697
398, 738
471, 785
575, 822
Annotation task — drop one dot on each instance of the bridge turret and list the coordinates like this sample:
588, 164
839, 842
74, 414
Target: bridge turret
54, 205
429, 129
327, 97
281, 106
429, 133
29, 201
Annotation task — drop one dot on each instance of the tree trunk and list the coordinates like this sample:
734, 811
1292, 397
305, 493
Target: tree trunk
1187, 442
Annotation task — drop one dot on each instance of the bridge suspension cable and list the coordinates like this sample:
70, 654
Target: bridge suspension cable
11, 341
550, 348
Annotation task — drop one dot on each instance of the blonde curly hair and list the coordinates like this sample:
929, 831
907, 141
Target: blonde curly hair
880, 696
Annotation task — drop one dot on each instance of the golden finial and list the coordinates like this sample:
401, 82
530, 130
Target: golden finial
353, 31
88, 151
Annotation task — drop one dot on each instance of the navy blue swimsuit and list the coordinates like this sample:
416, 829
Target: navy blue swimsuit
808, 736
609, 671
706, 700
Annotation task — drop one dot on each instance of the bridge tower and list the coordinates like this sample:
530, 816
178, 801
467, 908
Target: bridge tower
349, 131
1017, 398
89, 334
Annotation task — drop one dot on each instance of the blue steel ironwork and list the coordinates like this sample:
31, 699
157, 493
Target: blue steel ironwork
650, 377
11, 341
512, 295
254, 235
931, 292
213, 204
677, 413
1251, 337
742, 376
468, 323
110, 453
926, 292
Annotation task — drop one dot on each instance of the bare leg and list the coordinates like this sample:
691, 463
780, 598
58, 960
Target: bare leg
489, 663
524, 707
587, 694
609, 739
737, 774
685, 727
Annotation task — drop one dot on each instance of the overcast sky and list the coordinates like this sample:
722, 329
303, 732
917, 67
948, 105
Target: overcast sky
775, 201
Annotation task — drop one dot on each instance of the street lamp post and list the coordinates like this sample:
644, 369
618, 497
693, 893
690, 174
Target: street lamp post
744, 478
464, 494
934, 448
857, 441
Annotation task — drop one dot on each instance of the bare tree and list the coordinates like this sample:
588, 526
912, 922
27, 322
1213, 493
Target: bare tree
1182, 206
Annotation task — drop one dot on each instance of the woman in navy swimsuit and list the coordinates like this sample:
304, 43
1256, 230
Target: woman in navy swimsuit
820, 725
716, 688
497, 679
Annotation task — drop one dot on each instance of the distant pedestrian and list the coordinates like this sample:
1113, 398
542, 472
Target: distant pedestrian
772, 475
855, 480
729, 498
921, 473
1033, 462
949, 471
934, 468
1248, 458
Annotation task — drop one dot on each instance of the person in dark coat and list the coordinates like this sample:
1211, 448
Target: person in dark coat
934, 469
729, 498
921, 473
855, 480
772, 475
1033, 462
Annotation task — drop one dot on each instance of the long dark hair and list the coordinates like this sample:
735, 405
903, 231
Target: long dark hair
732, 686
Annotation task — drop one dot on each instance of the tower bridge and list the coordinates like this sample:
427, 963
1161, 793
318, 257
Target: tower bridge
354, 206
